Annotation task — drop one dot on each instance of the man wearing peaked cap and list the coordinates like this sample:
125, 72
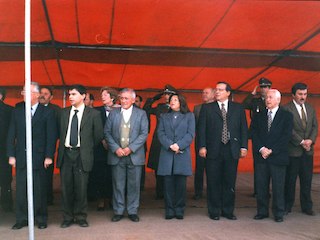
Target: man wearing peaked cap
256, 103
154, 152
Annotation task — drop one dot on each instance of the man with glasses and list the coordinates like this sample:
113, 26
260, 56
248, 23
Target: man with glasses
222, 139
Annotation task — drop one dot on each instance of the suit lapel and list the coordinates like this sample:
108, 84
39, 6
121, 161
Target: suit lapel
216, 109
133, 119
37, 114
85, 117
276, 119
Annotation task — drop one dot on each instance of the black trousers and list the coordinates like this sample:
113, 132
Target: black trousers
39, 195
5, 185
100, 180
175, 189
49, 179
74, 181
303, 167
159, 185
199, 174
221, 179
277, 174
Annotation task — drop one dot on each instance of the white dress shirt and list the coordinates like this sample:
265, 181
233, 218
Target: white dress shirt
79, 115
225, 104
126, 113
298, 106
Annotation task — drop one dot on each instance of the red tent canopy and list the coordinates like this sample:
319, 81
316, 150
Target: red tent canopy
148, 43
145, 44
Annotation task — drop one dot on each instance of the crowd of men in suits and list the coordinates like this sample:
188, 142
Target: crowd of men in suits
105, 148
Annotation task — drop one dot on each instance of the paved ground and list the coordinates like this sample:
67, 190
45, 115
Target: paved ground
196, 224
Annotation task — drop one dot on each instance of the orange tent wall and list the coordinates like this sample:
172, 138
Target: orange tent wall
245, 164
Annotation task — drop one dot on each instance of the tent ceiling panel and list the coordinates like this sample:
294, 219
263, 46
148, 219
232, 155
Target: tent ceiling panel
266, 25
146, 44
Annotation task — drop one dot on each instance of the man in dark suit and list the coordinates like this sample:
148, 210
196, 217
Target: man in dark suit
304, 134
80, 130
5, 169
222, 139
43, 147
154, 152
271, 131
255, 102
207, 97
126, 131
46, 95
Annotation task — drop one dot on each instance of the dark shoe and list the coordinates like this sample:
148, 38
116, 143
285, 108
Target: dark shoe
168, 217
229, 216
287, 211
134, 217
309, 212
278, 219
20, 225
66, 223
116, 218
180, 217
214, 217
260, 217
42, 225
82, 223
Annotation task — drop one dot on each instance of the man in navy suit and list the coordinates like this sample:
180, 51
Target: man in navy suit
126, 131
222, 139
271, 131
44, 128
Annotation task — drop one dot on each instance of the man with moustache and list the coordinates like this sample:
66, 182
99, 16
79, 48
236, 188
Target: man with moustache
301, 149
46, 95
207, 97
44, 128
126, 131
80, 131
271, 131
223, 138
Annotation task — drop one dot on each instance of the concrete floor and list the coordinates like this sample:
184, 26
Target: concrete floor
196, 224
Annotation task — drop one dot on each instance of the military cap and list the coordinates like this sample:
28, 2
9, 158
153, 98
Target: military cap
169, 89
264, 82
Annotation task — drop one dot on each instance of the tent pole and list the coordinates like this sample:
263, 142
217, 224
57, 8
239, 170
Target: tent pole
27, 52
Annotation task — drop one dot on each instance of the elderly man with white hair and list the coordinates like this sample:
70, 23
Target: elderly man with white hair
271, 133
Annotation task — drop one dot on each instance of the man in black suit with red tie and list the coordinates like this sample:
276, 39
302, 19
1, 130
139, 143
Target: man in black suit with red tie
44, 132
222, 139
271, 131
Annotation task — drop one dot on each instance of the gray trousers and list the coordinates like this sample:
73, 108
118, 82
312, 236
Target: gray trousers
126, 186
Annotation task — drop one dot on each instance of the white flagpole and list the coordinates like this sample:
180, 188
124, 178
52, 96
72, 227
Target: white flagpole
27, 61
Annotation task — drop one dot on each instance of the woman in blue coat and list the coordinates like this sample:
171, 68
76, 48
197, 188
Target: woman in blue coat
175, 133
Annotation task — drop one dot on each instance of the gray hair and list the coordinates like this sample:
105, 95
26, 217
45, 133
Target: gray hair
130, 90
276, 93
36, 86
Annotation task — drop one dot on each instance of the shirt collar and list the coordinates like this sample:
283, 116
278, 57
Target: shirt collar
127, 110
80, 108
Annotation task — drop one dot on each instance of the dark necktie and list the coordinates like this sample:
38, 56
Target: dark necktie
269, 120
74, 130
224, 136
303, 118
